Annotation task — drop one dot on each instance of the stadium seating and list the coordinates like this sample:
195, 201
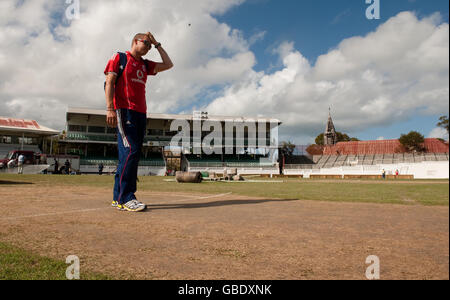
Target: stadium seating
368, 159
351, 160
419, 158
388, 158
398, 158
333, 161
330, 161
323, 160
341, 160
408, 158
441, 156
430, 157
316, 158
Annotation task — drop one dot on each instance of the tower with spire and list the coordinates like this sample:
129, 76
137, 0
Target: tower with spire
330, 136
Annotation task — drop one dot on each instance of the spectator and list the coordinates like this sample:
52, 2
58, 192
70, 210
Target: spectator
67, 167
100, 169
56, 167
43, 159
20, 161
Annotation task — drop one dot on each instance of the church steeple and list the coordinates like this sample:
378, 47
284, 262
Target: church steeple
330, 136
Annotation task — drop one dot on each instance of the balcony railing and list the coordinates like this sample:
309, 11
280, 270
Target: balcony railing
230, 165
81, 136
113, 162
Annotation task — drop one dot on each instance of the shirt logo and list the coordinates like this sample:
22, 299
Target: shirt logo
140, 76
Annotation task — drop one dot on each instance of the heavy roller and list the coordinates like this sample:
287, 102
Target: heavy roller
188, 177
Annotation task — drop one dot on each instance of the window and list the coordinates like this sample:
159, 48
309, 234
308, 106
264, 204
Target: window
25, 141
5, 140
110, 130
77, 128
96, 129
157, 132
171, 133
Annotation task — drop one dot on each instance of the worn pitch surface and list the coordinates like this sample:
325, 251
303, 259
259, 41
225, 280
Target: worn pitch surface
189, 236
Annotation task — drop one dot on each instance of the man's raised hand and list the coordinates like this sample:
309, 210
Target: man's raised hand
152, 38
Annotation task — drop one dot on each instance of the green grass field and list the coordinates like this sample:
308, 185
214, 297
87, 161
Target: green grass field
16, 263
408, 192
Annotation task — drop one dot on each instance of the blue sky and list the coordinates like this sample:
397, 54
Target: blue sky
316, 26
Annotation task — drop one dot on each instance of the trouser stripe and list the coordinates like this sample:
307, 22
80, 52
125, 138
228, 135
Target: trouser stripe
121, 131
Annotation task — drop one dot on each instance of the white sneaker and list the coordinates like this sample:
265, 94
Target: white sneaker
133, 206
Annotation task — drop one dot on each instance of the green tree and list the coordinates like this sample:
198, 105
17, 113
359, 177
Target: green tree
320, 139
341, 137
287, 148
443, 122
413, 141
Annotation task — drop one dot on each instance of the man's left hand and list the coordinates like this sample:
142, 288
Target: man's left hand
152, 38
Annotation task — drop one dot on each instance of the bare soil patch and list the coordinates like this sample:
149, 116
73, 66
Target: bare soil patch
192, 236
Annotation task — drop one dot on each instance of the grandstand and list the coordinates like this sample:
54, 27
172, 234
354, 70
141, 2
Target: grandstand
371, 157
28, 135
245, 164
88, 136
333, 161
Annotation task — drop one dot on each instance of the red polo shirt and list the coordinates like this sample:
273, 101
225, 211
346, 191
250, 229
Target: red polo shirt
130, 88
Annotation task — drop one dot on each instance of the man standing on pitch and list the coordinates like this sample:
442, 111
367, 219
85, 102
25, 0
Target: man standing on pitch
126, 77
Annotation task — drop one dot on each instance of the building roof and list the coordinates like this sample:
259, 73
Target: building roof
25, 127
382, 147
85, 111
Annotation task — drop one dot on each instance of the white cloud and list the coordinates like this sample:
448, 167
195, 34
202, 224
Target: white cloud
439, 133
49, 63
259, 36
386, 76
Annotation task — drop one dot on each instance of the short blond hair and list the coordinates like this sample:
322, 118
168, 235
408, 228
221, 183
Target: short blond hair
138, 36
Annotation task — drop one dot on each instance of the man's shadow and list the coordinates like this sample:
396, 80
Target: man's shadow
7, 182
214, 203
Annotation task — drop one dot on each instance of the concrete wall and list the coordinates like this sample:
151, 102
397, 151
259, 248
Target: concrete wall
424, 170
240, 171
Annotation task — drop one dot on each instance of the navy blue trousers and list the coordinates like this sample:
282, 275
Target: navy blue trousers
131, 127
